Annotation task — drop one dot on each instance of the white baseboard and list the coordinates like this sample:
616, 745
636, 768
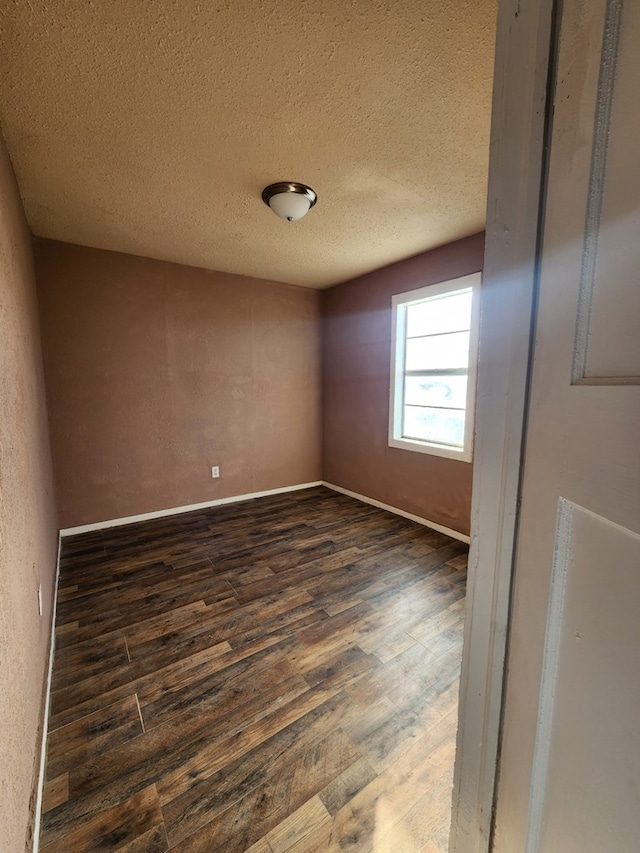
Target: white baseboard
162, 513
425, 521
47, 703
148, 516
101, 525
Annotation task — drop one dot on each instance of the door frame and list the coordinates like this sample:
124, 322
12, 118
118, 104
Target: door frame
525, 33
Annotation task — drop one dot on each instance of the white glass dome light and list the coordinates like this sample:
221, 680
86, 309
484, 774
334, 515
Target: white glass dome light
289, 200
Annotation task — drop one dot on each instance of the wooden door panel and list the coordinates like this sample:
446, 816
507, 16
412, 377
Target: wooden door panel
584, 781
607, 348
570, 763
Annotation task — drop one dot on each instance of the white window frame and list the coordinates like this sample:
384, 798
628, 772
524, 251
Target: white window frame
399, 303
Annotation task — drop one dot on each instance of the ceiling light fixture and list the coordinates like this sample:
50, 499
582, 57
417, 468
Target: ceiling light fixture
289, 200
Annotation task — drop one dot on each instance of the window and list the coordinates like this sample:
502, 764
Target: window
433, 368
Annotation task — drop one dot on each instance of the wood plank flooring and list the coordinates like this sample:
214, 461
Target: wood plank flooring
269, 676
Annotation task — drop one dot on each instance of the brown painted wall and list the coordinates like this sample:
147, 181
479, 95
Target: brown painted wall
356, 375
156, 371
28, 534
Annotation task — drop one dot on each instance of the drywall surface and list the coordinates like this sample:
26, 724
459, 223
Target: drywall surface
156, 372
28, 535
356, 374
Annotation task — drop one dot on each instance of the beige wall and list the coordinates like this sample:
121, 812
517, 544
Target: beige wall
28, 535
356, 371
156, 371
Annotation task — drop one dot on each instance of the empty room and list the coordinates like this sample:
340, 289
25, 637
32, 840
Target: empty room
252, 539
292, 303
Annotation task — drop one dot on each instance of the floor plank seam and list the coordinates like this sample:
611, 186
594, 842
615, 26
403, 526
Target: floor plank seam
262, 676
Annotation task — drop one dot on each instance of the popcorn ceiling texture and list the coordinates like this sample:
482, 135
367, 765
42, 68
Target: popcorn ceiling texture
151, 127
28, 529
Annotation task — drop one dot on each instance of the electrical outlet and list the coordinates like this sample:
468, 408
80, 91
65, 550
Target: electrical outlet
40, 599
215, 471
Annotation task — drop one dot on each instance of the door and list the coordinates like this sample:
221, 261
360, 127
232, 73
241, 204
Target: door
569, 773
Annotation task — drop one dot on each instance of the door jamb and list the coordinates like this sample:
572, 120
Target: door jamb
524, 34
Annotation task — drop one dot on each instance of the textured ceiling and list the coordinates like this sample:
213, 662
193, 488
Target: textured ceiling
152, 126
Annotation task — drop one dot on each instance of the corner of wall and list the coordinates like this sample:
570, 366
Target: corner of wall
27, 519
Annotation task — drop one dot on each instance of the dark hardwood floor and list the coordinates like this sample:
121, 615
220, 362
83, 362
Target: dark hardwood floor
274, 675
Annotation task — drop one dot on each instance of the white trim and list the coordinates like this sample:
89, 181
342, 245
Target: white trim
551, 659
47, 703
462, 454
455, 534
399, 303
176, 510
148, 516
524, 34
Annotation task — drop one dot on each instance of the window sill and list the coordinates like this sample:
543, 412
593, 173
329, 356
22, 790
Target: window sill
462, 454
